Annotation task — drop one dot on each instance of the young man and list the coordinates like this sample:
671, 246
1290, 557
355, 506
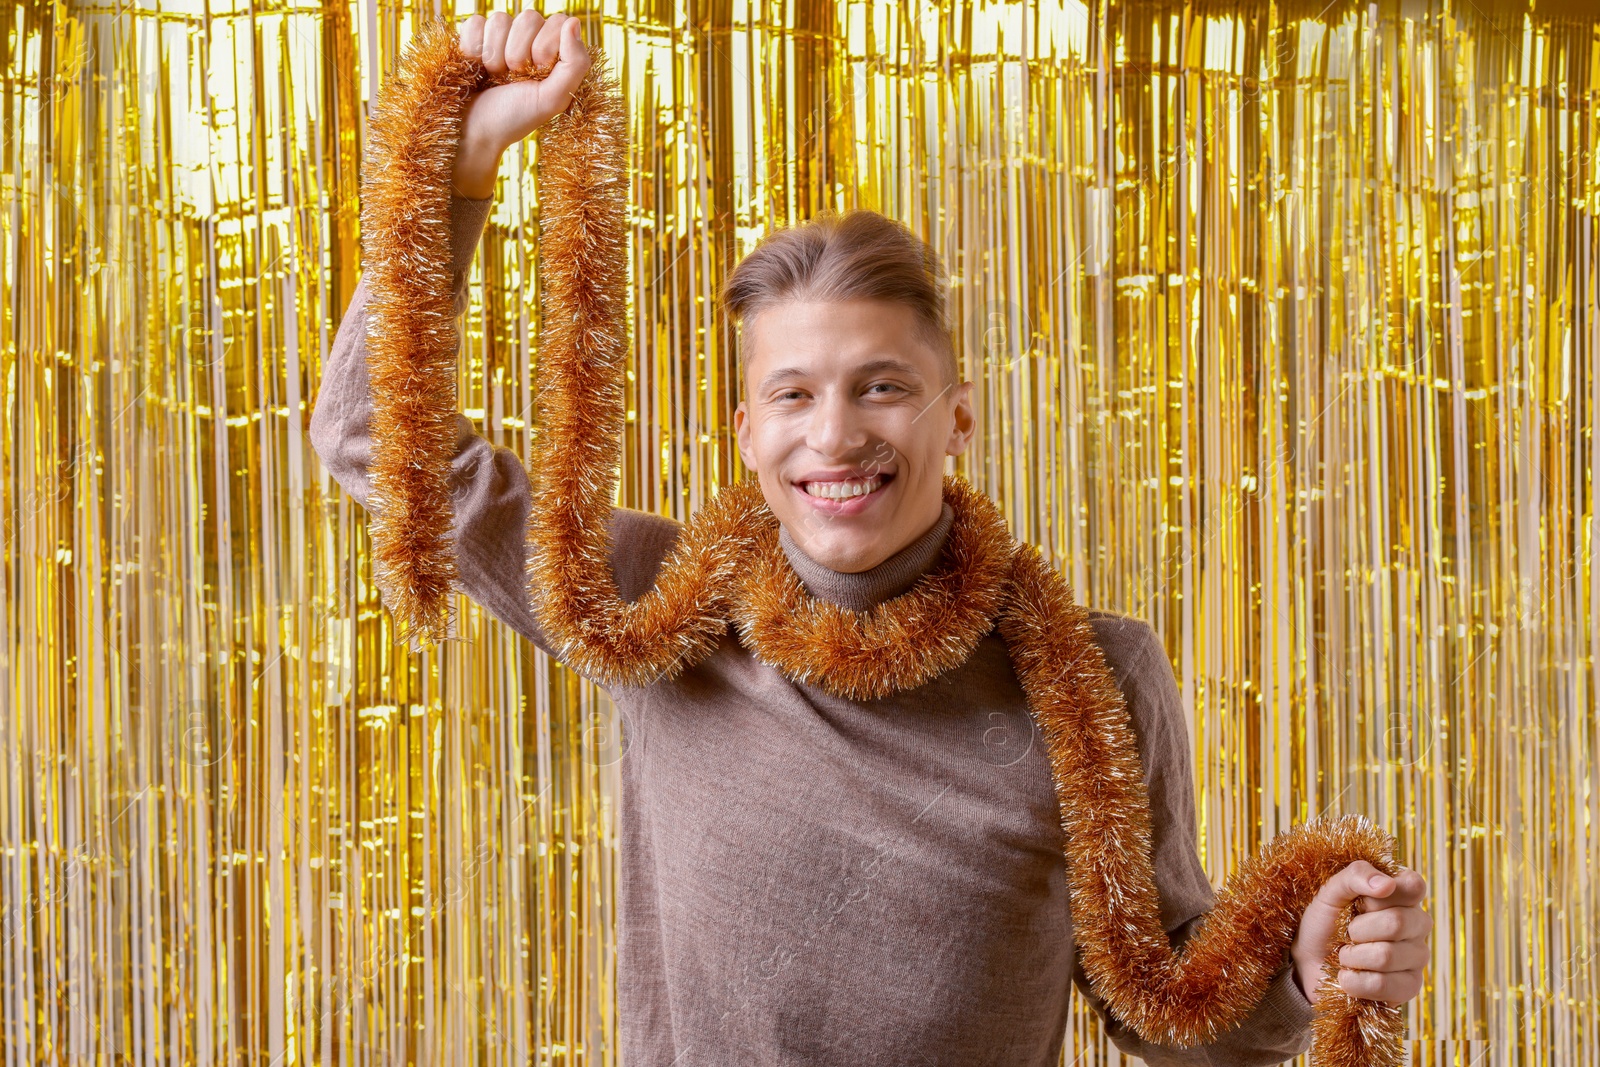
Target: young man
806, 879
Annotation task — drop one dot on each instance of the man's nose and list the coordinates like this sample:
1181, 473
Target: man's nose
836, 428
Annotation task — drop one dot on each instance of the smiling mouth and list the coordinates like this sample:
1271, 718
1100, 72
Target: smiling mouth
847, 490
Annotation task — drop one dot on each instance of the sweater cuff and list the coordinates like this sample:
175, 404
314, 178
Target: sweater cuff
1292, 1007
467, 220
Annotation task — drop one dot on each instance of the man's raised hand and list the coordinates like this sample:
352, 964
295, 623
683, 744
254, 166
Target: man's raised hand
1390, 934
502, 115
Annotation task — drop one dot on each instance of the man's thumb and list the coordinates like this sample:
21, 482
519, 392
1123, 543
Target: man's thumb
1352, 882
1357, 880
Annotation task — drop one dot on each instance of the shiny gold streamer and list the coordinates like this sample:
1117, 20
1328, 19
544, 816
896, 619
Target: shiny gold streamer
1283, 319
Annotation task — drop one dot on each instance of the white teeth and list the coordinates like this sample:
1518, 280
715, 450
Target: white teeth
843, 490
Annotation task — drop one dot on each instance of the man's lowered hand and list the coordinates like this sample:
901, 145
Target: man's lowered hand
1390, 935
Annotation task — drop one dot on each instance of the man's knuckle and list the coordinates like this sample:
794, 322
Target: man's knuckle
1352, 982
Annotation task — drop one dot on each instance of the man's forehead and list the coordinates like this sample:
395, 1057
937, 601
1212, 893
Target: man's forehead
858, 336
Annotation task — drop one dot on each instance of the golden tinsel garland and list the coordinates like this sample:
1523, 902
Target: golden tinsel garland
728, 568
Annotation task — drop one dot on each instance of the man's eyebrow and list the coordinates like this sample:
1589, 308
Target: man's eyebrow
872, 366
779, 375
886, 363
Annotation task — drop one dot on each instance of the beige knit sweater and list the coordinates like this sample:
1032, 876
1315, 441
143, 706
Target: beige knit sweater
810, 880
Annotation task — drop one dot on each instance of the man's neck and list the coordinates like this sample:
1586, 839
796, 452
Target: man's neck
861, 590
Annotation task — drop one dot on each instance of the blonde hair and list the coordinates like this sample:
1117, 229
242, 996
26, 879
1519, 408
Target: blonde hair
858, 255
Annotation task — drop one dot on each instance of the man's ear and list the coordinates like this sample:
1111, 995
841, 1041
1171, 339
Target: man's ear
965, 423
741, 429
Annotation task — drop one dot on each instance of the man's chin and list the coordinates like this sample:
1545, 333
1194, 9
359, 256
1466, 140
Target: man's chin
843, 550
841, 542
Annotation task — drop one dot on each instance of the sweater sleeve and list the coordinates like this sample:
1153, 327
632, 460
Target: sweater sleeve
1279, 1028
489, 489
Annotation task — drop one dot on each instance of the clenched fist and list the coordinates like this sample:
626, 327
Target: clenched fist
502, 115
1390, 935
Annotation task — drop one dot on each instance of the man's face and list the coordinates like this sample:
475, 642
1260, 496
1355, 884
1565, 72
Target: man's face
844, 398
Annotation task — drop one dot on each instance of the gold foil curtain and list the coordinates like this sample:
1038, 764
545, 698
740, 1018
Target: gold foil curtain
1283, 319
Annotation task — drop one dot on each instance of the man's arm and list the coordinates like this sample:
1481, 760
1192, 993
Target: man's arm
489, 487
1279, 1028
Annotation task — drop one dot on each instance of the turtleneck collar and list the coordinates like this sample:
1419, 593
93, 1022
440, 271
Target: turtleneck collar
869, 588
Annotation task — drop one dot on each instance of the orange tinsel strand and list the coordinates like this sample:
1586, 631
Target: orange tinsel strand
582, 353
411, 335
727, 567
